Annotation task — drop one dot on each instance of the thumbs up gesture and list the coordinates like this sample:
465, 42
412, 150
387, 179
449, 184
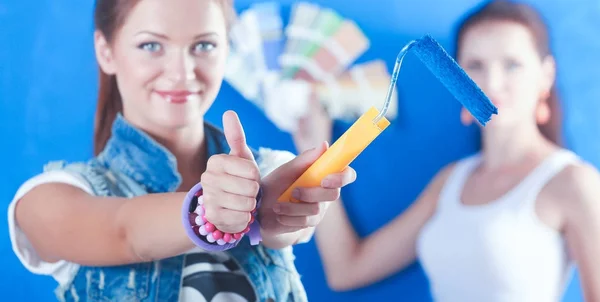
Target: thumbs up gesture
232, 181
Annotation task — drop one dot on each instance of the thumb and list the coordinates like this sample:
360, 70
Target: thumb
234, 133
282, 177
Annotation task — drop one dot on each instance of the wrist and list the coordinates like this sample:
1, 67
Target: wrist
281, 240
205, 234
275, 236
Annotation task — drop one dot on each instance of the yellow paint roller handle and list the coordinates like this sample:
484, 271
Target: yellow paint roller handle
341, 153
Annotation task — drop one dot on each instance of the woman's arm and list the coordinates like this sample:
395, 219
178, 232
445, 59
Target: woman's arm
63, 222
351, 262
581, 208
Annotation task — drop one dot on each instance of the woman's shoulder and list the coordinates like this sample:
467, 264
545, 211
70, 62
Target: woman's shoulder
578, 176
577, 185
448, 169
574, 191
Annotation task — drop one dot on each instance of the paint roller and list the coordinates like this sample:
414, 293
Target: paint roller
373, 122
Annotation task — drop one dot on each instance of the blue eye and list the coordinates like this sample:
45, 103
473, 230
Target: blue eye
474, 65
204, 47
511, 65
150, 46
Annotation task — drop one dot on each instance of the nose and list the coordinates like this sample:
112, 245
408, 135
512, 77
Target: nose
181, 67
494, 81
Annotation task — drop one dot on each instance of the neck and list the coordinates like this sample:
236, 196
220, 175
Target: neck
188, 146
508, 147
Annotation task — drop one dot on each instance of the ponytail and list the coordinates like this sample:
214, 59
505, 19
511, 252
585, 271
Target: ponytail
109, 104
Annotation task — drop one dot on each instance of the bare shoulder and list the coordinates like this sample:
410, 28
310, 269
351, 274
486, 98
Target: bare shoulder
431, 193
440, 178
577, 188
446, 170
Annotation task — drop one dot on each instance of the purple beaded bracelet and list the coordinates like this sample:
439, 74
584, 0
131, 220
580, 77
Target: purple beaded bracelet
204, 234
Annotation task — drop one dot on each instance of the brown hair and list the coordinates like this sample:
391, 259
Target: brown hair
527, 16
109, 17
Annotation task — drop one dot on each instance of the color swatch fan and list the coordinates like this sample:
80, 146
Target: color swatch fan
280, 69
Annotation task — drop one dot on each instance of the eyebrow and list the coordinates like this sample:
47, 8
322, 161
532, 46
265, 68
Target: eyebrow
163, 36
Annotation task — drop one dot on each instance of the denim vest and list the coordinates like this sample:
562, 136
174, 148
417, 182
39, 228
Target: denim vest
133, 164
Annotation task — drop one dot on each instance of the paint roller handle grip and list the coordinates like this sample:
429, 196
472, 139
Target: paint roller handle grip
341, 153
334, 160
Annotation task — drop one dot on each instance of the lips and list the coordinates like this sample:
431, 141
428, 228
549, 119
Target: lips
176, 96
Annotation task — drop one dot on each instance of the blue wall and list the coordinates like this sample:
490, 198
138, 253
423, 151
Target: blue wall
48, 90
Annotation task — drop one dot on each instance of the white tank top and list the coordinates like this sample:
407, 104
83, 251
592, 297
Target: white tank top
499, 251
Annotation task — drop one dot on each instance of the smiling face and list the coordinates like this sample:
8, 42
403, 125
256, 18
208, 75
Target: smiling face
169, 61
502, 58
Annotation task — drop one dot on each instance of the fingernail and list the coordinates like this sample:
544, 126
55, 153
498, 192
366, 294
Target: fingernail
296, 193
276, 208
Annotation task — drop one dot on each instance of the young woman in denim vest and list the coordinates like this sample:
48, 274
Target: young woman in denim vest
506, 224
164, 210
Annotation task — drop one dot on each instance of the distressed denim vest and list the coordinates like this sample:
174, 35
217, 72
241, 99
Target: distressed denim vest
133, 164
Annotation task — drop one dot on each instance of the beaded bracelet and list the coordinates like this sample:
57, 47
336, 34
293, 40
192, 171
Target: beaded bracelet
204, 234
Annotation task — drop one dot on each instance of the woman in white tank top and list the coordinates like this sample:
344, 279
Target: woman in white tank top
506, 224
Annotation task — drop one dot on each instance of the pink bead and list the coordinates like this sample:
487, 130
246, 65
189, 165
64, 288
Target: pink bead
237, 236
199, 193
204, 218
217, 234
251, 220
246, 230
210, 227
202, 230
227, 237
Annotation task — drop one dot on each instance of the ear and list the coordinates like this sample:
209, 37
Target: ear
542, 113
104, 53
548, 73
465, 117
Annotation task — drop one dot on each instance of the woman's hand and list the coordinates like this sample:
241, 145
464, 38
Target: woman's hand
277, 218
231, 182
